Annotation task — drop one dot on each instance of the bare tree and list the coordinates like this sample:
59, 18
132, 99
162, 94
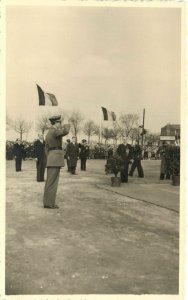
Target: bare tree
97, 132
115, 132
135, 134
43, 124
89, 129
128, 121
107, 134
20, 125
152, 138
75, 119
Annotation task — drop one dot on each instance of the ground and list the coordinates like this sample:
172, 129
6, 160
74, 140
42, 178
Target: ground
102, 240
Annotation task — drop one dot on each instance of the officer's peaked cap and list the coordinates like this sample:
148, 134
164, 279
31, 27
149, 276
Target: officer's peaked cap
55, 119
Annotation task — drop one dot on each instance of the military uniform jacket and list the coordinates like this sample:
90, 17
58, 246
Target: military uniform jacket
18, 151
137, 152
53, 146
125, 152
84, 151
72, 153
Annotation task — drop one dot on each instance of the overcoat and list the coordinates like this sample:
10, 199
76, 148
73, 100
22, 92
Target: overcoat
39, 149
125, 152
72, 153
53, 146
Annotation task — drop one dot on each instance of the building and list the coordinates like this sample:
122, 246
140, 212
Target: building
170, 133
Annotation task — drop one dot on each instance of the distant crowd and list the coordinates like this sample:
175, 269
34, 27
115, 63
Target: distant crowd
96, 150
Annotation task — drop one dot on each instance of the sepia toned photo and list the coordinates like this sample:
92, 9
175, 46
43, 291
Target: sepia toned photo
94, 114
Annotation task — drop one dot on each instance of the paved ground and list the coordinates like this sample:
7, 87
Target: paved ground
102, 240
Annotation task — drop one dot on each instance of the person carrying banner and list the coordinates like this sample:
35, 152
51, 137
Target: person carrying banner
55, 159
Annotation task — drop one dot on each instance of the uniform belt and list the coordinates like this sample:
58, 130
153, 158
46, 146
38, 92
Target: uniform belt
55, 148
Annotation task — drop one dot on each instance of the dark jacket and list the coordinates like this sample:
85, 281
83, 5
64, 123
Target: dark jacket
18, 151
137, 152
125, 152
84, 151
72, 154
39, 149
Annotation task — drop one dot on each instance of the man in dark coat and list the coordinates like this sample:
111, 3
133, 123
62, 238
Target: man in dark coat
73, 155
124, 151
68, 167
84, 153
55, 159
18, 151
137, 156
40, 156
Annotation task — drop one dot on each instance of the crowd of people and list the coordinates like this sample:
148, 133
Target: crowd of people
50, 154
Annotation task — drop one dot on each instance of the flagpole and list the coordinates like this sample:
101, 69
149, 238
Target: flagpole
100, 127
35, 114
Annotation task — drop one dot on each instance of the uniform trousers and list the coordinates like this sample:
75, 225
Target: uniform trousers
124, 172
73, 170
51, 185
18, 163
83, 164
41, 163
137, 164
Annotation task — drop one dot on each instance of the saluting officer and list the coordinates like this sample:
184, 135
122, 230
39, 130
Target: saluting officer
137, 156
84, 153
55, 159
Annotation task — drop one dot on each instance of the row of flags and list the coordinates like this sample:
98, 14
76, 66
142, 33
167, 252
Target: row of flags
48, 99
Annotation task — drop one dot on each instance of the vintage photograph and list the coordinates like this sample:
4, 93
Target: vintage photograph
93, 144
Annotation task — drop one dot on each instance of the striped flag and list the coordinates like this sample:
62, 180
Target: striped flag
108, 115
46, 99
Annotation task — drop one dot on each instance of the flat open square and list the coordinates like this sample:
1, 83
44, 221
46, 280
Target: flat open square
102, 240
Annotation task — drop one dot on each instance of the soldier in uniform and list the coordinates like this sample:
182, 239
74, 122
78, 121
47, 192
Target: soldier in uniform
84, 153
18, 151
73, 155
124, 151
137, 156
55, 159
40, 156
164, 169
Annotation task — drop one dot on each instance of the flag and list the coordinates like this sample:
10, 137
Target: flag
108, 115
46, 99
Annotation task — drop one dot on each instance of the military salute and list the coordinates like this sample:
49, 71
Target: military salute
84, 153
55, 159
40, 156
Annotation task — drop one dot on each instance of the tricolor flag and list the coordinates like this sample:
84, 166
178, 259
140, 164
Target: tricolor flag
108, 115
46, 99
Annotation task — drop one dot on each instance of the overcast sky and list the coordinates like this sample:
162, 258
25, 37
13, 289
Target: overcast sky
125, 59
